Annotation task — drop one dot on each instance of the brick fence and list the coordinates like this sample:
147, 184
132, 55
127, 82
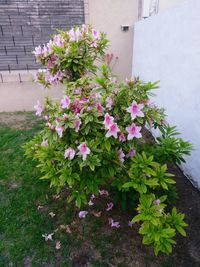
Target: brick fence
25, 24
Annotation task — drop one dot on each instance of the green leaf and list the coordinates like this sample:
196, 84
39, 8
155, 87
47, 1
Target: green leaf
127, 185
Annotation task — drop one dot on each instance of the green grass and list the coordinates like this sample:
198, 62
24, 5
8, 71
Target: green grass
21, 226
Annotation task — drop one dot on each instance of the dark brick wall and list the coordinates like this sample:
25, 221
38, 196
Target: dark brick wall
25, 24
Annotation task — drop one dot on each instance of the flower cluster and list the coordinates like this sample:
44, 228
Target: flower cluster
66, 54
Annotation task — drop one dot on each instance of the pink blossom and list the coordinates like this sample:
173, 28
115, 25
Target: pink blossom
38, 108
59, 130
108, 121
46, 118
78, 91
131, 153
157, 202
74, 35
109, 206
122, 137
90, 203
121, 155
77, 106
69, 153
50, 64
94, 44
95, 95
38, 51
92, 197
52, 127
77, 124
65, 117
135, 110
46, 51
83, 150
133, 131
113, 130
103, 192
95, 34
99, 107
113, 223
58, 40
82, 214
130, 224
45, 143
65, 102
84, 28
109, 102
48, 236
57, 120
50, 45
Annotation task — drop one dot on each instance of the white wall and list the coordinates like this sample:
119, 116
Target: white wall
164, 4
167, 48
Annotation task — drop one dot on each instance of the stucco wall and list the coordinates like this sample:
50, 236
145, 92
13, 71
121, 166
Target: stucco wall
167, 48
165, 4
108, 16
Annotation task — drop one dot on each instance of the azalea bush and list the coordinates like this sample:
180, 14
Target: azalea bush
94, 140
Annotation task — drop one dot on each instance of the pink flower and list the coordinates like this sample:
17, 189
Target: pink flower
109, 102
84, 28
103, 192
92, 197
122, 137
48, 236
77, 124
58, 40
38, 51
108, 121
113, 130
82, 214
135, 110
133, 131
65, 117
69, 153
95, 95
157, 202
131, 153
130, 224
44, 143
90, 203
95, 34
50, 45
38, 108
74, 35
109, 206
78, 91
59, 130
99, 107
52, 127
113, 224
121, 155
94, 44
46, 118
83, 150
65, 102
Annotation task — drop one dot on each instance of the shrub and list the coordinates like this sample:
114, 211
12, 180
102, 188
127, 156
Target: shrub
95, 136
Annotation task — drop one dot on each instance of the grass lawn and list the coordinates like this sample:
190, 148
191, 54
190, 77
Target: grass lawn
28, 206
